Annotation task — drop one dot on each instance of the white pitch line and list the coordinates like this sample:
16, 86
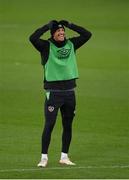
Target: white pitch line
67, 168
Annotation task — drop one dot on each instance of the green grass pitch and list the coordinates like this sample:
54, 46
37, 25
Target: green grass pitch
100, 145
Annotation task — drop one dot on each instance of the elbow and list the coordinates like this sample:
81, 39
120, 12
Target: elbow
31, 39
89, 35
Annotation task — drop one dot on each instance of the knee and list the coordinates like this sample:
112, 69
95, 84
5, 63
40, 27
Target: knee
49, 125
69, 116
67, 125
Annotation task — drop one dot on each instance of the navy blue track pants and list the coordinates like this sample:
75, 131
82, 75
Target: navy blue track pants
66, 102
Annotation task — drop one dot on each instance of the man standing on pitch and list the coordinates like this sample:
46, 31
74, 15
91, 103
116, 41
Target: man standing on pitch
60, 74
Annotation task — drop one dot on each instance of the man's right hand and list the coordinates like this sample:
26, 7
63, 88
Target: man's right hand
50, 24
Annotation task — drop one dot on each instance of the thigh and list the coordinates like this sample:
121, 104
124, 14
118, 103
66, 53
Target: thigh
69, 106
52, 104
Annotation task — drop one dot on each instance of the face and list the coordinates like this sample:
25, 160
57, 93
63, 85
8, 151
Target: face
59, 35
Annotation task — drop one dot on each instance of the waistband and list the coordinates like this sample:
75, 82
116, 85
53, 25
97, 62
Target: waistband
58, 90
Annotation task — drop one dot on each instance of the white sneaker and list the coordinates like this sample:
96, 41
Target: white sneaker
43, 163
66, 161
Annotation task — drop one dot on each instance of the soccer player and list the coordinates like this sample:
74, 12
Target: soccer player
58, 57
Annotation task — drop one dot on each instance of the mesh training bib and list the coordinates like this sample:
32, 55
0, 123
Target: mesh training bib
61, 64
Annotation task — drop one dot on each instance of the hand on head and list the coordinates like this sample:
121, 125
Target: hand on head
55, 22
51, 23
64, 23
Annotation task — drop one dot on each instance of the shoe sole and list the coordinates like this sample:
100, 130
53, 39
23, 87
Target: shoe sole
40, 166
66, 164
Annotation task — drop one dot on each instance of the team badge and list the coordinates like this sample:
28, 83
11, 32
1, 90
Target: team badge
50, 108
63, 53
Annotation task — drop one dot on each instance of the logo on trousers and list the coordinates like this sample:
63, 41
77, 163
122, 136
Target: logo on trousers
50, 108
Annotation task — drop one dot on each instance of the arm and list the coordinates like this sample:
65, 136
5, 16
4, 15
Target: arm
83, 38
79, 40
38, 43
42, 45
